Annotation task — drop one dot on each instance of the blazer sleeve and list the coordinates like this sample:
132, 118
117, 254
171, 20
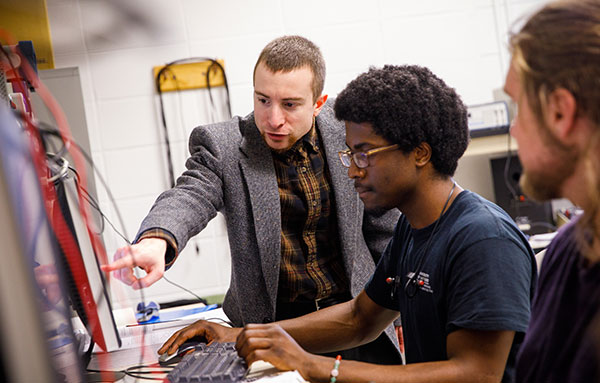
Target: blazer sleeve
197, 196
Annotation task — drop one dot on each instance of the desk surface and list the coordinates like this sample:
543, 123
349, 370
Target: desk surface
136, 355
260, 372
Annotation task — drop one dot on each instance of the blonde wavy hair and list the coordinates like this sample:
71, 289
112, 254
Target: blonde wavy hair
559, 47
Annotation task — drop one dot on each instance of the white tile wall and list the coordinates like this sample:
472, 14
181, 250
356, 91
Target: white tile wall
110, 25
347, 47
209, 20
115, 44
241, 99
67, 32
133, 210
394, 8
128, 72
183, 111
308, 14
136, 171
128, 122
441, 36
91, 116
240, 53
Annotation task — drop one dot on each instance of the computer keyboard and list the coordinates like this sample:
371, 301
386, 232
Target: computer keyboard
217, 363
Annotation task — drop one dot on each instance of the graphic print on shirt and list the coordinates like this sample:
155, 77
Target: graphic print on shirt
422, 281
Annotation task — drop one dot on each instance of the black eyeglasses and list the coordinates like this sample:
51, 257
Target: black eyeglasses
361, 159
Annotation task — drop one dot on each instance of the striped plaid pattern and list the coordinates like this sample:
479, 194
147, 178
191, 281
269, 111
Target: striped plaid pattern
311, 263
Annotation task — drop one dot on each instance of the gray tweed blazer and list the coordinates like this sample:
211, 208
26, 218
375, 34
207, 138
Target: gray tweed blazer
231, 170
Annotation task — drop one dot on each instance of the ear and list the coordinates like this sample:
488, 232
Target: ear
422, 154
561, 112
319, 104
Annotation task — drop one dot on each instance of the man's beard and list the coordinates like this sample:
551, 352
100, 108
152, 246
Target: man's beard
545, 184
539, 187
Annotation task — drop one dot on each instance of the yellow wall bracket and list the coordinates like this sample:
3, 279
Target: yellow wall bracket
28, 20
190, 76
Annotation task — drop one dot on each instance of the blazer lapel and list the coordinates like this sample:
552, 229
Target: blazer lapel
346, 199
259, 174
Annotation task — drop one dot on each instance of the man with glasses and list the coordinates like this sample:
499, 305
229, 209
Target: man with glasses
458, 270
361, 159
299, 237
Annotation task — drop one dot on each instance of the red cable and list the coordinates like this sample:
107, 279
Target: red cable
64, 235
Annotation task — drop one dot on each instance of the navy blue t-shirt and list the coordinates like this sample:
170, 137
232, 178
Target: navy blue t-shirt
561, 342
479, 273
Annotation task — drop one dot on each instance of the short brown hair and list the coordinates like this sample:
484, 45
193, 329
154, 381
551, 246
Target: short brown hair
288, 53
559, 47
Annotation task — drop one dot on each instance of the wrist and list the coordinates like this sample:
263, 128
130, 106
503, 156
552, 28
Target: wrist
154, 241
233, 333
168, 243
317, 368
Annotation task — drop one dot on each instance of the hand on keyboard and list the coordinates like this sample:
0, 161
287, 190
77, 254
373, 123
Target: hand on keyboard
186, 348
216, 363
270, 343
202, 330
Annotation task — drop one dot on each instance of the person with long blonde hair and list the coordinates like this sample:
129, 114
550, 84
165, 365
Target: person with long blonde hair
555, 80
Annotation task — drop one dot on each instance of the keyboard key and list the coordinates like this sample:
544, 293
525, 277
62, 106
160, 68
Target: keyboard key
215, 363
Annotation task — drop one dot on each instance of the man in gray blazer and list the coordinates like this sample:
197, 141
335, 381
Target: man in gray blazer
299, 236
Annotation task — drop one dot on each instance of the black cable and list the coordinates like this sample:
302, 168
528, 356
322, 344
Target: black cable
116, 375
162, 110
59, 157
104, 217
87, 356
513, 193
143, 377
202, 300
104, 371
95, 170
90, 200
96, 206
44, 127
143, 374
48, 129
411, 288
157, 369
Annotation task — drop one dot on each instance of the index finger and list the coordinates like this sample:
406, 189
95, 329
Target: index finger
121, 263
167, 345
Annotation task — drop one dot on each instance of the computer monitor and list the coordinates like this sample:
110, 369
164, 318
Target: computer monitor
37, 342
43, 232
531, 216
103, 330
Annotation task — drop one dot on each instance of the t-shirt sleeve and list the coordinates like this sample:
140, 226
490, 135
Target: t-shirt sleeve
489, 287
377, 288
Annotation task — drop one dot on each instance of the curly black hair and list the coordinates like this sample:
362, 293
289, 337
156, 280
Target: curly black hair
408, 105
